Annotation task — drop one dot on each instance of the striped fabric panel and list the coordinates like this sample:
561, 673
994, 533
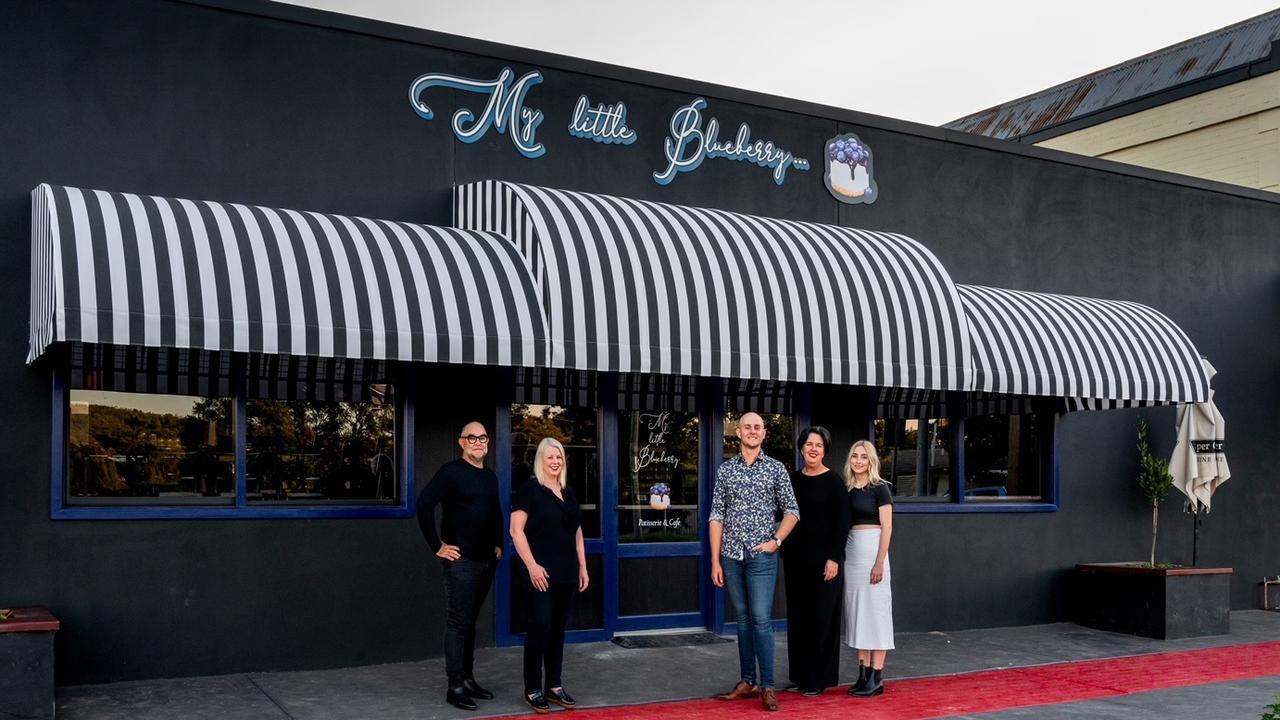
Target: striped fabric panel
549, 386
676, 393
636, 286
761, 396
158, 272
1100, 351
182, 371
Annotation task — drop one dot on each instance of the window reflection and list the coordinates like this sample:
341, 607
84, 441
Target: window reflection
300, 450
779, 439
173, 448
1002, 459
575, 428
915, 457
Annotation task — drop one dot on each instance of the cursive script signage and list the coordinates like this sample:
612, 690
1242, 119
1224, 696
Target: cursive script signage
656, 427
690, 143
505, 111
603, 123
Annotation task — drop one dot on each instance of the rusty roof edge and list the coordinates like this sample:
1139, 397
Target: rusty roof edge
1267, 64
1169, 49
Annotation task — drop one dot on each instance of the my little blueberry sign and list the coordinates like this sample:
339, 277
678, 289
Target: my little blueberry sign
692, 136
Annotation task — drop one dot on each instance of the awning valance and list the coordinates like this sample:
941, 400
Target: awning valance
133, 270
1097, 353
637, 286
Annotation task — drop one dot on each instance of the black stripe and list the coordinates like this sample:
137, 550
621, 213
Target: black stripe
132, 268
102, 261
334, 284
363, 295
309, 316
221, 279
249, 268
415, 309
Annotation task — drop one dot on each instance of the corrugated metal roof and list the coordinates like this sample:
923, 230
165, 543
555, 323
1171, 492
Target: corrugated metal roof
1226, 49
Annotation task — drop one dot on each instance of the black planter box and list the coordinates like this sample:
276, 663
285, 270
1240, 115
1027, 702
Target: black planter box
26, 664
1158, 603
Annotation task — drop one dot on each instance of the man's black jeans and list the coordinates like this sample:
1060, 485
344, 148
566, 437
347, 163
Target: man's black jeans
466, 583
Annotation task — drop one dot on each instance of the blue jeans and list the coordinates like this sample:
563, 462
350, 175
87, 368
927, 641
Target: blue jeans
750, 584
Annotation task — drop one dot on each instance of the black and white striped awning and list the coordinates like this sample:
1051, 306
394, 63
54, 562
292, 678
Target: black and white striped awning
133, 270
636, 286
1095, 353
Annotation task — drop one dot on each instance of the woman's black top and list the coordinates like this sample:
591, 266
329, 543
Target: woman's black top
824, 519
552, 528
865, 503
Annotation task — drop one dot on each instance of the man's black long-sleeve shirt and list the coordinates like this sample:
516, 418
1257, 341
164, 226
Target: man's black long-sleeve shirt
472, 517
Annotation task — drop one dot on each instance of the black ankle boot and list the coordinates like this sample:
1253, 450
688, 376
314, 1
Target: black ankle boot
457, 697
864, 674
874, 685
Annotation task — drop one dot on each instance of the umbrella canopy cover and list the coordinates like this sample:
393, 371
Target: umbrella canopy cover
1199, 463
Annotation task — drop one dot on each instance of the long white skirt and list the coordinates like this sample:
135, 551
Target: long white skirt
868, 609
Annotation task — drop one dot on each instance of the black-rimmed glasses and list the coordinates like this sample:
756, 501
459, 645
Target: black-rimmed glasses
474, 439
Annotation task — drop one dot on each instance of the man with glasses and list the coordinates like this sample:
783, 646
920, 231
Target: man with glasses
751, 490
470, 544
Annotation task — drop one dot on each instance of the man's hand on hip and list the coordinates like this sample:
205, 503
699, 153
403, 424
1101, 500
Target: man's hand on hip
449, 552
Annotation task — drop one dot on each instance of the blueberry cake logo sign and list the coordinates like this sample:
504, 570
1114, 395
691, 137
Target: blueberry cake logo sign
690, 143
505, 111
849, 171
603, 123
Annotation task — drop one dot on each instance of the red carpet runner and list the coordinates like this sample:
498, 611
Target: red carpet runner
939, 697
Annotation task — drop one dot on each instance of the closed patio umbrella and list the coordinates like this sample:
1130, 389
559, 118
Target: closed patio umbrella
1199, 463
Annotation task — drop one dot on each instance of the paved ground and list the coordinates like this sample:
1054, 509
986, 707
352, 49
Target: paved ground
603, 674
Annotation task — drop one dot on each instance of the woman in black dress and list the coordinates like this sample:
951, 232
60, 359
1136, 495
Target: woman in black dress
813, 556
546, 529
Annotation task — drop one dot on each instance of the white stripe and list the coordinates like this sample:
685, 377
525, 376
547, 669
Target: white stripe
208, 285
346, 286
235, 278
426, 309
177, 275
115, 262
399, 298
319, 282
298, 319
146, 247
266, 286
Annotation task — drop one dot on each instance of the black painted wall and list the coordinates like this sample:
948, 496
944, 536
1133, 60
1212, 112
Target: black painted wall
309, 111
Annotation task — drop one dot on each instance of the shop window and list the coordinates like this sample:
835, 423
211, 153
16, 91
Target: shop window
176, 433
307, 451
915, 458
576, 429
1003, 461
131, 448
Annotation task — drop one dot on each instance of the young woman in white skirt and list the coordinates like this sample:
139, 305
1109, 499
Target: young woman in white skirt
868, 599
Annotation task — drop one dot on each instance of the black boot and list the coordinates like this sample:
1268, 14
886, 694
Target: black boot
457, 697
864, 674
874, 685
474, 690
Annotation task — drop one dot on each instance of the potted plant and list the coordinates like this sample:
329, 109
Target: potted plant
1149, 599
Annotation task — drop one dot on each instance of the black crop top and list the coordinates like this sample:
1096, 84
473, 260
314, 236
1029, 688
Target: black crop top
865, 503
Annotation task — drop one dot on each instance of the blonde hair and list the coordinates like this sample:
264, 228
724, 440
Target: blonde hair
873, 464
546, 444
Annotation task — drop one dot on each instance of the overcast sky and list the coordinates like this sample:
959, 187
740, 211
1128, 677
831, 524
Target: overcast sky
929, 61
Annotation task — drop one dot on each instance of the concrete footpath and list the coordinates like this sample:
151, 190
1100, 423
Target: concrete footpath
604, 675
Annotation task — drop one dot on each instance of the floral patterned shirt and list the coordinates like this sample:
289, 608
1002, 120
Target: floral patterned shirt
746, 499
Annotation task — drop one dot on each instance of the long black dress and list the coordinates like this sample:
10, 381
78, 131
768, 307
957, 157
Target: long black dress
813, 604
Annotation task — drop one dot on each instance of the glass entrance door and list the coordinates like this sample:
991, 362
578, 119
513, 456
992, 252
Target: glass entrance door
659, 518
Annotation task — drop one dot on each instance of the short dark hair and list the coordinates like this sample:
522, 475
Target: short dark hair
818, 430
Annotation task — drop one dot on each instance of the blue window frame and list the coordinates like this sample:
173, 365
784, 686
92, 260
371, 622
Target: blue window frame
240, 506
980, 475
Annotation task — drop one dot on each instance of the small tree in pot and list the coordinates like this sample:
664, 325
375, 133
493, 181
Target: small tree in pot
1155, 481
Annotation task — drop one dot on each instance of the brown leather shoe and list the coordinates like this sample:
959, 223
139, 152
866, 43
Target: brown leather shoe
741, 691
769, 699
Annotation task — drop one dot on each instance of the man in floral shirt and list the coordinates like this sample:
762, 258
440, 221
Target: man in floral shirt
751, 489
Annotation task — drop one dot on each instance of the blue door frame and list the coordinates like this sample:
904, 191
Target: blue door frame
711, 614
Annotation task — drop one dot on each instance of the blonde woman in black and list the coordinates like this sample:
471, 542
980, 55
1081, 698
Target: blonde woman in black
868, 599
